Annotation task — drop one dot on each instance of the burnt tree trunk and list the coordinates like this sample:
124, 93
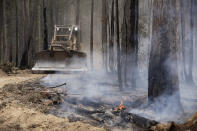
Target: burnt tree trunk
118, 47
130, 42
78, 24
91, 35
191, 51
104, 33
163, 73
28, 32
183, 39
5, 51
45, 45
111, 44
17, 36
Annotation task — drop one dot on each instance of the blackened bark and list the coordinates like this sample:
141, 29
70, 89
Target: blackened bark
163, 72
4, 33
45, 45
16, 33
133, 42
91, 35
118, 46
1, 32
111, 45
130, 43
78, 24
29, 20
104, 33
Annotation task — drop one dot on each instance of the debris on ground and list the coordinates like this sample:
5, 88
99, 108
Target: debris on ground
190, 125
25, 106
9, 68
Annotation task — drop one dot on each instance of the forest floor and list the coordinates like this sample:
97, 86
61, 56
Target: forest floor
18, 77
25, 105
25, 108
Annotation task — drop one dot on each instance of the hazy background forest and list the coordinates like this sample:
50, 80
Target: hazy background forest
145, 43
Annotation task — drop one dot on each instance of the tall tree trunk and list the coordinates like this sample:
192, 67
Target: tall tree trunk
1, 31
17, 43
183, 38
163, 73
133, 43
190, 75
5, 53
29, 31
104, 33
91, 35
78, 24
118, 46
111, 45
45, 44
130, 42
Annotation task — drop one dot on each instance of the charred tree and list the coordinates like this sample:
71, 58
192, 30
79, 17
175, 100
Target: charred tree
183, 39
28, 32
17, 36
111, 44
187, 46
78, 23
130, 42
163, 73
5, 51
91, 35
189, 78
45, 45
104, 33
118, 46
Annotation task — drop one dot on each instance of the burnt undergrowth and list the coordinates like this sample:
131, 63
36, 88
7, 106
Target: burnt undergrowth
59, 102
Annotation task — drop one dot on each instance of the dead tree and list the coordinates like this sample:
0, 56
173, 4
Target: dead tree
4, 32
163, 72
130, 42
45, 44
17, 35
78, 23
91, 35
28, 32
118, 47
111, 37
104, 33
187, 72
191, 50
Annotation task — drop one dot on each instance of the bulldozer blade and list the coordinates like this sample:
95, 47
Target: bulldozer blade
61, 61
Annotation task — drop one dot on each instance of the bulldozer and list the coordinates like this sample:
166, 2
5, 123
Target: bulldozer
63, 54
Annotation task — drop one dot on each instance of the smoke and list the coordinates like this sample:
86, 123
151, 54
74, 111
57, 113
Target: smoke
89, 85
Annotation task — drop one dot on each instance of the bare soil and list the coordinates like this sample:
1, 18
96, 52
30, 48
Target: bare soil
23, 106
18, 77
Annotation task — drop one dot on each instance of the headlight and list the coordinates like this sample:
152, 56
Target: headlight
58, 29
69, 29
76, 28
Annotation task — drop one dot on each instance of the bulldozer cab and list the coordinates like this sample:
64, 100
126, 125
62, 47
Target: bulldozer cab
65, 37
63, 53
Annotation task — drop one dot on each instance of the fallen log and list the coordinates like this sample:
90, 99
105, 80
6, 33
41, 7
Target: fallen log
57, 86
138, 120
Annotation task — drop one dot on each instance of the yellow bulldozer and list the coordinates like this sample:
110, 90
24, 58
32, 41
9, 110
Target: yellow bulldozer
64, 52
